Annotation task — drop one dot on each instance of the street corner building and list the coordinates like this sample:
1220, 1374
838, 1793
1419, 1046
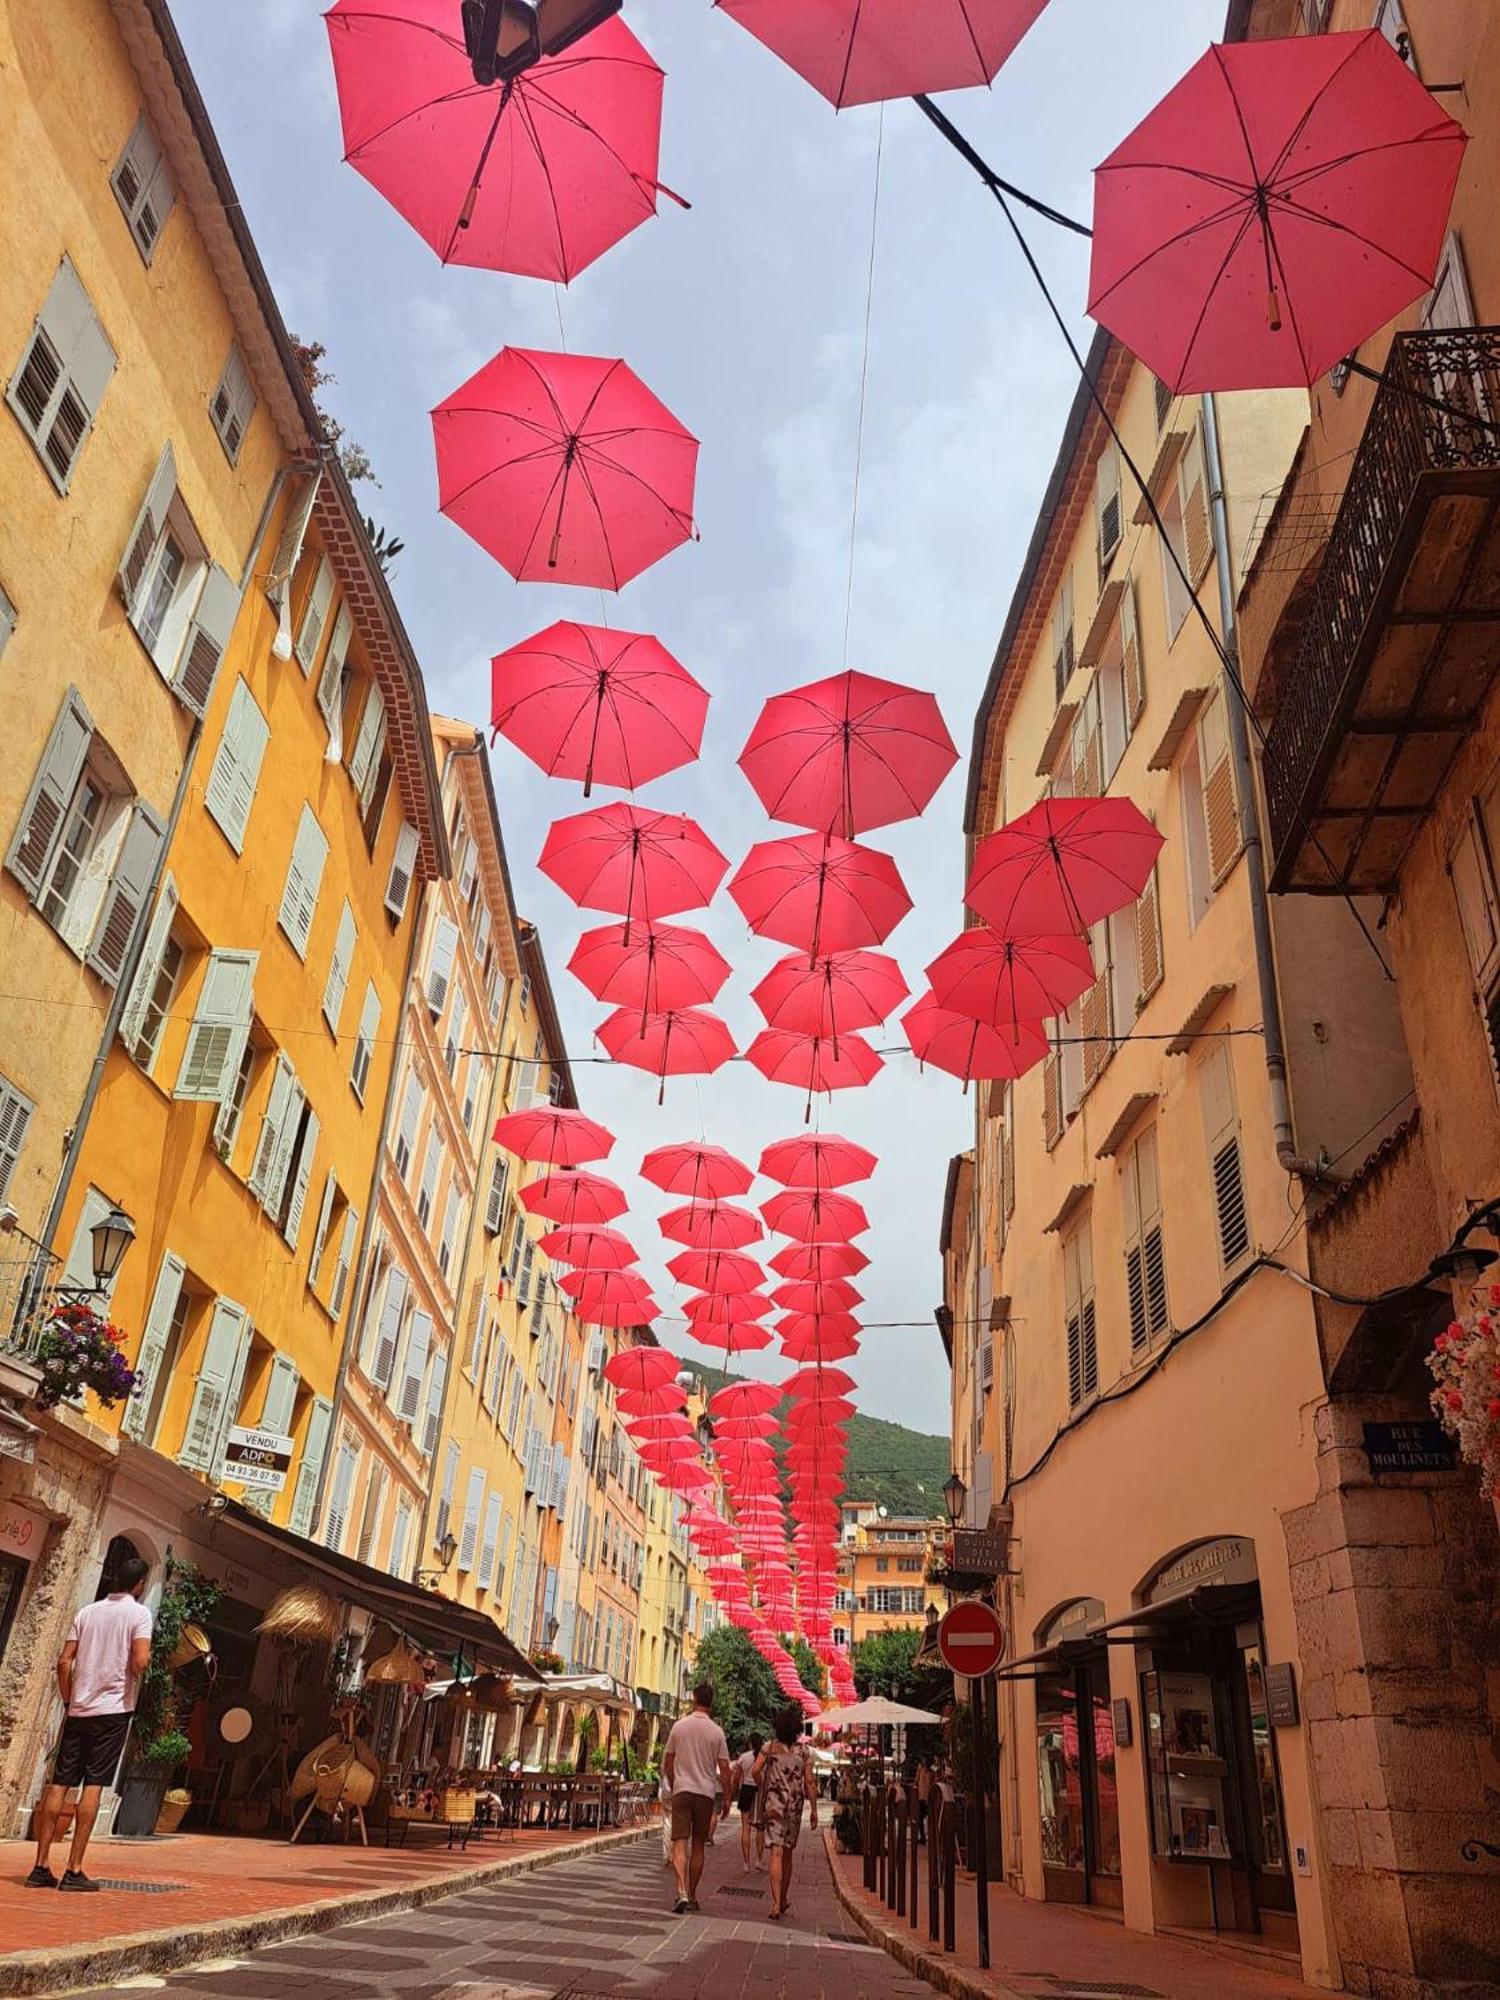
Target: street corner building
1195, 1263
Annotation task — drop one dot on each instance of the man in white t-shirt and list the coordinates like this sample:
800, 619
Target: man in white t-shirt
697, 1769
108, 1649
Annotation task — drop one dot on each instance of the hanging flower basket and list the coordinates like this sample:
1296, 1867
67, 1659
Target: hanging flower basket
1465, 1364
81, 1350
548, 1662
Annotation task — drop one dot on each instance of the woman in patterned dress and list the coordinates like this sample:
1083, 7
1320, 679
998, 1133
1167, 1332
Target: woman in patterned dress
784, 1777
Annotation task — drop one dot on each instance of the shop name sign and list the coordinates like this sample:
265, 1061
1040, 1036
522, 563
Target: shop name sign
1228, 1560
979, 1551
257, 1458
1415, 1447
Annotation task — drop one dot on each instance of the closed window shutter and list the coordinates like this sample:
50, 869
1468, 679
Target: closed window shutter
417, 1345
473, 1501
207, 637
388, 1330
406, 1129
1064, 650
368, 742
146, 533
1107, 510
1132, 672
133, 1019
304, 877
427, 1190
1221, 1133
1095, 1023
338, 968
144, 188
1078, 1283
440, 964
320, 1234
284, 563
1471, 866
40, 825
450, 1230
403, 865
435, 1387
1052, 1119
230, 792
489, 1542
154, 1338
218, 1374
400, 1536
523, 1280
281, 1396
275, 1118
301, 1181
310, 1471
345, 1263
445, 1496
221, 1026
314, 615
63, 375
343, 1491
331, 683
125, 898
502, 1558
1192, 493
364, 1041
233, 405
1148, 951
1221, 809
494, 1211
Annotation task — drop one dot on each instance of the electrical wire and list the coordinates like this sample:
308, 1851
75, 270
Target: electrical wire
864, 381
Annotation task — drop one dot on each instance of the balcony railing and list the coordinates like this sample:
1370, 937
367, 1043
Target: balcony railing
30, 1283
1435, 413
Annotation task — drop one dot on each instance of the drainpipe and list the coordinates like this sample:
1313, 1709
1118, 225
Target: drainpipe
1273, 1030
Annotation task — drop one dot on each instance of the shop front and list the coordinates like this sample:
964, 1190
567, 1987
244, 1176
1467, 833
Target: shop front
1075, 1753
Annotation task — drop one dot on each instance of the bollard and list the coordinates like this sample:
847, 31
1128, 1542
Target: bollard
934, 1861
912, 1810
898, 1872
950, 1877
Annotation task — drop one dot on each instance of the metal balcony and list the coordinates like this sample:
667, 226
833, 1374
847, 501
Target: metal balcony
1400, 640
30, 1293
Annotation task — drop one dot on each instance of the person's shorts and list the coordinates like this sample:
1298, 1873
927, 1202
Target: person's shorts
746, 1800
692, 1815
89, 1753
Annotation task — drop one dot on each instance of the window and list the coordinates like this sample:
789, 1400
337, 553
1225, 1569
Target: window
314, 615
468, 1540
406, 1127
161, 1340
1390, 19
1109, 513
143, 186
1145, 1259
1314, 15
15, 1116
364, 1041
403, 865
57, 390
232, 1106
1149, 962
338, 969
489, 1542
181, 605
1210, 807
445, 1493
1186, 543
1221, 1130
7, 620
1078, 1301
437, 1382
1164, 400
216, 1398
1472, 865
156, 983
299, 900
440, 960
281, 1127
427, 1188
232, 406
414, 1369
301, 1150
454, 1040
383, 1330
334, 683
367, 756
401, 1537
1063, 641
341, 1492
525, 1001
230, 791
449, 1236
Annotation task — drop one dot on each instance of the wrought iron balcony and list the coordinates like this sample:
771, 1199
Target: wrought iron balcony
1401, 634
30, 1279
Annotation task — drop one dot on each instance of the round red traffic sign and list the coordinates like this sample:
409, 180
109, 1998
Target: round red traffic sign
971, 1640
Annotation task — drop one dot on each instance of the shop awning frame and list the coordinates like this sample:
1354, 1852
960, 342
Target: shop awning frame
1217, 1602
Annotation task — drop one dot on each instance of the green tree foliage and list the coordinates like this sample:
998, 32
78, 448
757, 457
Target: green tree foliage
746, 1697
883, 1665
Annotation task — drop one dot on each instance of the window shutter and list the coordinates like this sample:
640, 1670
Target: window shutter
133, 1019
331, 683
1221, 1132
218, 1374
268, 1145
432, 1160
388, 1332
1132, 673
440, 964
40, 825
221, 1026
314, 1450
63, 375
406, 1130
1192, 493
450, 1230
233, 405
146, 532
1052, 1119
230, 791
1221, 809
489, 1542
1148, 950
445, 1496
418, 1342
1107, 510
343, 1491
368, 741
435, 1387
154, 1338
1008, 1154
338, 968
468, 869
1063, 642
364, 1040
281, 1396
284, 563
144, 188
502, 1558
125, 898
304, 877
320, 1234
301, 1181
473, 1501
207, 636
1474, 885
345, 1262
523, 1281
1094, 1023
403, 866
314, 615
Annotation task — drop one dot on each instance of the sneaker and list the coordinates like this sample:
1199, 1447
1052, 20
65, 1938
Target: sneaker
692, 1906
78, 1882
681, 1907
40, 1878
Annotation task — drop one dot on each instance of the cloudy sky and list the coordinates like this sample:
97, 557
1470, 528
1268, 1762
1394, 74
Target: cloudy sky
746, 315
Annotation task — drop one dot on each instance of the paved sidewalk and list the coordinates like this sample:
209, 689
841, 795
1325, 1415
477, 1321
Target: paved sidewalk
1051, 1951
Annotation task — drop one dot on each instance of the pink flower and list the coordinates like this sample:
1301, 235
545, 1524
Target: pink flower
1495, 1295
1453, 1398
1494, 1409
1441, 1343
1484, 1323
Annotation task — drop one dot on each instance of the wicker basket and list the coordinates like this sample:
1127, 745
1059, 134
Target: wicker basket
458, 1807
173, 1810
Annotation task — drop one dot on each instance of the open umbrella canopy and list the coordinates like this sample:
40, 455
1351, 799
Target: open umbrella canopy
1062, 866
819, 1260
818, 1296
724, 1271
817, 1159
744, 1398
538, 175
554, 1134
711, 1225
795, 1329
565, 468
653, 967
817, 1341
634, 1310
640, 1367
657, 1399
815, 1215
726, 1308
845, 754
690, 1041
696, 1172
637, 863
815, 1381
877, 1713
1283, 201
968, 1048
863, 51
591, 1288
832, 994
814, 1063
734, 1336
826, 1413
738, 1429
820, 894
575, 1199
593, 1249
604, 707
1005, 981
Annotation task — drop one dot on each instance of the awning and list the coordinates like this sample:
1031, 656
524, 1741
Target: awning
1216, 1602
434, 1621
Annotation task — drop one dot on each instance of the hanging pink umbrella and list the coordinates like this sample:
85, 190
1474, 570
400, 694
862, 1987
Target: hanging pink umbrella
591, 1249
696, 1172
820, 894
711, 1225
1062, 866
813, 1381
814, 1063
862, 51
849, 753
734, 1336
638, 863
609, 708
691, 1042
574, 1199
632, 1311
740, 1428
820, 1260
813, 1215
817, 1159
538, 175
565, 468
750, 1398
1005, 981
724, 1271
659, 1399
726, 1308
640, 1367
830, 995
553, 1133
793, 1328
971, 1049
604, 1287
653, 967
818, 1296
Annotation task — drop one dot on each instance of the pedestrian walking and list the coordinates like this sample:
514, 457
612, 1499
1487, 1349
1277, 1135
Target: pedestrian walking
108, 1648
747, 1797
784, 1774
924, 1796
697, 1768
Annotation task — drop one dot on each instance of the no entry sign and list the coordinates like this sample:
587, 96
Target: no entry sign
971, 1640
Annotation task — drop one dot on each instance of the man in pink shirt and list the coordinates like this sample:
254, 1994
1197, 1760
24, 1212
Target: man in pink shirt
108, 1649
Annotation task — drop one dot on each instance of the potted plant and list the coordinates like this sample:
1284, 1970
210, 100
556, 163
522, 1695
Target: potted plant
547, 1662
159, 1748
78, 1350
847, 1829
166, 1755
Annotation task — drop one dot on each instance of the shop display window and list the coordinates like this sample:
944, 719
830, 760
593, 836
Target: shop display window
1190, 1810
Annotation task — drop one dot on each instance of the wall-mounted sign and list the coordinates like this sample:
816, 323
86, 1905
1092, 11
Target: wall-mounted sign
257, 1458
22, 1533
1281, 1694
1230, 1559
1423, 1446
1123, 1730
978, 1552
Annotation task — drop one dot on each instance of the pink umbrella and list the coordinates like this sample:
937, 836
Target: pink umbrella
795, 1328
820, 1260
860, 51
691, 1042
711, 1225
818, 1296
611, 708
815, 1380
574, 1199
820, 894
659, 1399
633, 1311
716, 1271
655, 967
849, 753
968, 1048
1005, 981
752, 1398
817, 1159
813, 1215
814, 1063
832, 994
1062, 866
592, 1249
734, 1336
816, 1342
696, 1172
726, 1308
638, 863
538, 176
640, 1367
604, 1287
565, 468
553, 1133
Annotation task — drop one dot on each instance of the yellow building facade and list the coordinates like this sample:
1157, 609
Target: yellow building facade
882, 1572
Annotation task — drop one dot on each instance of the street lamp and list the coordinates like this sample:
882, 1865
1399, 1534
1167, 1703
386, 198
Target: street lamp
447, 1548
955, 1498
504, 37
112, 1235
